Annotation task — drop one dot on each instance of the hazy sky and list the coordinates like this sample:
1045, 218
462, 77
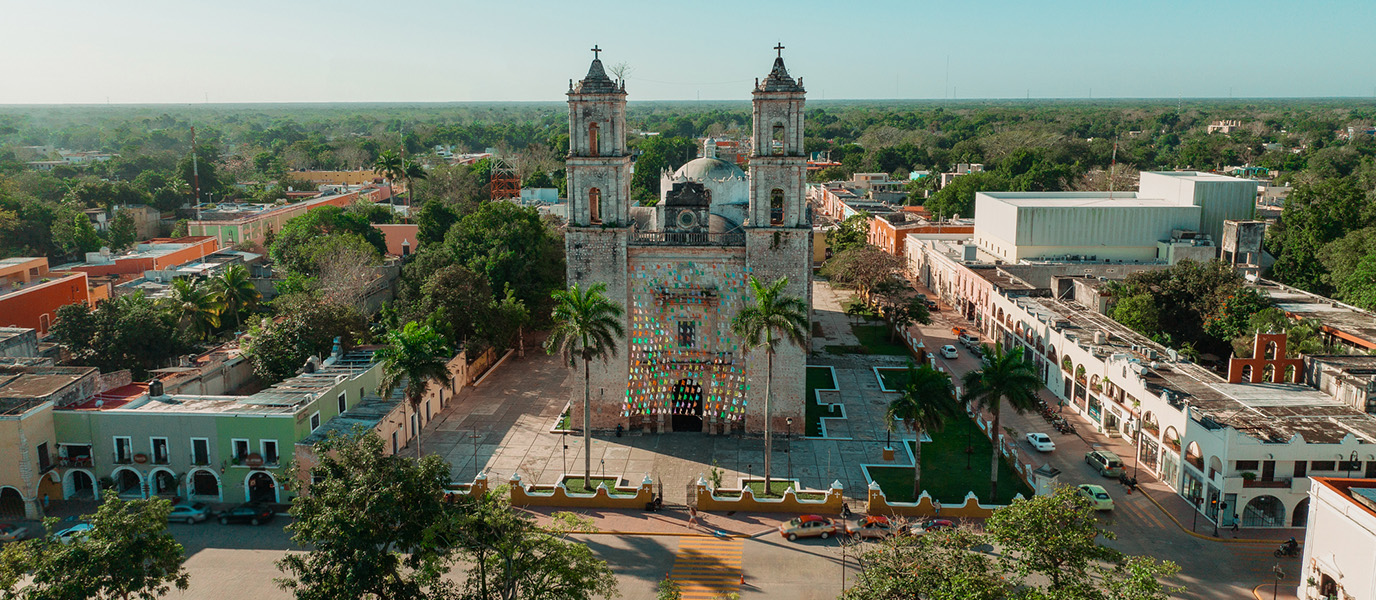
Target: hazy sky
91, 51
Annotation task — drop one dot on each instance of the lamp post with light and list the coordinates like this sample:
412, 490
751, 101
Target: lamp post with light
789, 452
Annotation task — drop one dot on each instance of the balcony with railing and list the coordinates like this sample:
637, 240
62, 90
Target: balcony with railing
679, 238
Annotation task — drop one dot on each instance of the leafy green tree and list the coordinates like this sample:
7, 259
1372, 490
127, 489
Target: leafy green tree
1003, 376
278, 349
298, 243
374, 525
586, 327
195, 307
1139, 313
455, 302
412, 171
538, 179
958, 197
906, 312
206, 170
509, 316
928, 399
513, 558
236, 292
658, 153
179, 229
433, 221
850, 233
770, 318
1054, 538
390, 165
128, 332
936, 566
372, 212
511, 246
123, 232
73, 233
1229, 319
413, 358
128, 553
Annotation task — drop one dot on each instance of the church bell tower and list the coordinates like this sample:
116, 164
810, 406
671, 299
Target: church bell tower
599, 168
778, 166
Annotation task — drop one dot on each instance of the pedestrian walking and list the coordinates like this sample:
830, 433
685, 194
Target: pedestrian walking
936, 506
692, 515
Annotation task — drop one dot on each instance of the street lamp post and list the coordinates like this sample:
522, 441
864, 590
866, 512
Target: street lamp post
1280, 574
566, 454
1198, 501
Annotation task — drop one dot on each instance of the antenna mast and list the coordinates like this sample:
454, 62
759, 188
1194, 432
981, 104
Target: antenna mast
1113, 162
195, 173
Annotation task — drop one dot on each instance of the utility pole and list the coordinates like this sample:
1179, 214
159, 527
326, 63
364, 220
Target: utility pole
195, 175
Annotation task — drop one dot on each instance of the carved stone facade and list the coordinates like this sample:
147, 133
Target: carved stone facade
681, 269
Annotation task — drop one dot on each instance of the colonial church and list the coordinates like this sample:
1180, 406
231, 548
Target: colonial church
681, 268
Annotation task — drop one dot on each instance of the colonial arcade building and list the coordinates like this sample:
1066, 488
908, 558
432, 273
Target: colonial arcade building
681, 268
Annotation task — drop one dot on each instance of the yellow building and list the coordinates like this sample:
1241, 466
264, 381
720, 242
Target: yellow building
28, 443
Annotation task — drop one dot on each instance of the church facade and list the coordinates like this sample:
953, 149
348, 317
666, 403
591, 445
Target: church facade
680, 269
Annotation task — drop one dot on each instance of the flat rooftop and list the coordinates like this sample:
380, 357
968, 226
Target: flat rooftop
1265, 411
1078, 200
366, 414
1355, 325
284, 398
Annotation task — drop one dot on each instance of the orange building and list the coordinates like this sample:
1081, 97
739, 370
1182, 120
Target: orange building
401, 237
890, 232
154, 255
30, 294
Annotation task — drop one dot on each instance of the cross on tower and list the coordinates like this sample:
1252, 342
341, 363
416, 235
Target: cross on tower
780, 48
595, 50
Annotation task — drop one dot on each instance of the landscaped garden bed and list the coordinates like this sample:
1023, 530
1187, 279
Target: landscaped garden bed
818, 378
944, 475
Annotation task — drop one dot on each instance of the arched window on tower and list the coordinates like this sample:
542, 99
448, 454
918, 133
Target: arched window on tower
776, 206
595, 206
592, 140
776, 140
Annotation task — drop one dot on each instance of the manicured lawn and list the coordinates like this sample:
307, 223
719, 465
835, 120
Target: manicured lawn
944, 475
564, 421
575, 484
875, 338
818, 378
894, 379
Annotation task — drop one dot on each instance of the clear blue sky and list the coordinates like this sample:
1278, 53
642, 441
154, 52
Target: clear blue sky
88, 51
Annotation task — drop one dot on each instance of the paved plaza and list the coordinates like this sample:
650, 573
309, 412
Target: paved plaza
506, 422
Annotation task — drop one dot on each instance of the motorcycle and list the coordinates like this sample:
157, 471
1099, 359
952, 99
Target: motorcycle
1287, 549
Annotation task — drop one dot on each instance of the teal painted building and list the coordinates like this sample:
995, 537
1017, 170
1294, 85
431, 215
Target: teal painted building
226, 449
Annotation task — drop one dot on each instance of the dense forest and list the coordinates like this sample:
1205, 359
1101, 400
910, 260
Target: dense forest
1325, 240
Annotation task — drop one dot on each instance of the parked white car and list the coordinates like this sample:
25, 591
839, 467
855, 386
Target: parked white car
949, 351
66, 536
1041, 442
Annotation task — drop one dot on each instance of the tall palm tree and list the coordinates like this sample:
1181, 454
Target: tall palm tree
236, 292
586, 327
1003, 375
927, 401
391, 165
771, 319
412, 171
195, 307
413, 357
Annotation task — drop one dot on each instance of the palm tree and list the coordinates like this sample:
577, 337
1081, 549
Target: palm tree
413, 357
772, 318
586, 327
412, 171
928, 399
1003, 375
236, 292
195, 308
391, 165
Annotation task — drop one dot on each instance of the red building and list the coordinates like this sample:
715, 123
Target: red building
30, 294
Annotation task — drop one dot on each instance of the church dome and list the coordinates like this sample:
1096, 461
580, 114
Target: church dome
708, 169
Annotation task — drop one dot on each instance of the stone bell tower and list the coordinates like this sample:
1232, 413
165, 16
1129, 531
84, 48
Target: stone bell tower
599, 221
779, 230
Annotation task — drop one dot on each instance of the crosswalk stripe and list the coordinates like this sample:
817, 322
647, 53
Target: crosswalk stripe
707, 568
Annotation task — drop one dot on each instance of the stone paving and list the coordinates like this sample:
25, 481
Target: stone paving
506, 422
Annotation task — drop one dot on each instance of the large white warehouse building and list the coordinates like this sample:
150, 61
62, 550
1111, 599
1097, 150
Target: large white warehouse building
1121, 226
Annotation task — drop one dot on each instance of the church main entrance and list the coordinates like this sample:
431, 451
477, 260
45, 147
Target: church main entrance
687, 406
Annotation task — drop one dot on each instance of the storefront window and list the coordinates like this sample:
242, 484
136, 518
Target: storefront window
1148, 453
1170, 468
1095, 409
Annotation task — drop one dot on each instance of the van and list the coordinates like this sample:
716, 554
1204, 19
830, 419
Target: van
1106, 463
969, 340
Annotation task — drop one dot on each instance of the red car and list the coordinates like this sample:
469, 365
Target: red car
808, 526
935, 525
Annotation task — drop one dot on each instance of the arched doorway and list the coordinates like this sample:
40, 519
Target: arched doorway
259, 486
1300, 517
1263, 511
78, 483
128, 483
164, 483
11, 503
1328, 588
204, 484
686, 406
